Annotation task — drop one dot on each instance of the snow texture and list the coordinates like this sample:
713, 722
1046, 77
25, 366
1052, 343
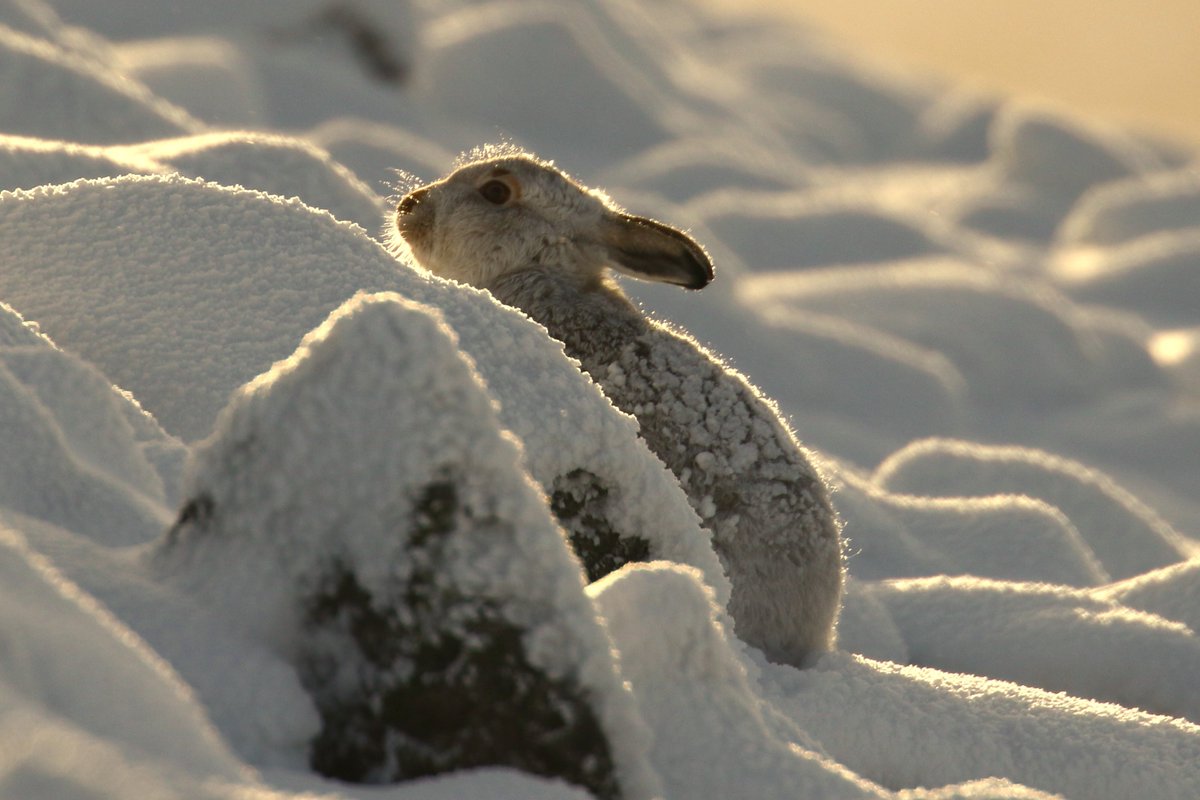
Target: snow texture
1127, 536
81, 454
979, 314
225, 315
474, 601
272, 164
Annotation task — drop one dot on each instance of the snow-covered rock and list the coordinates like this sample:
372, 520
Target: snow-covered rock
407, 564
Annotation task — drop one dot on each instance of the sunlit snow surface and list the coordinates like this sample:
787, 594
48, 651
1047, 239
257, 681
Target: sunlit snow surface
983, 317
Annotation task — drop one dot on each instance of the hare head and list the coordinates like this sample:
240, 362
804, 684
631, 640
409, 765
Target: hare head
503, 215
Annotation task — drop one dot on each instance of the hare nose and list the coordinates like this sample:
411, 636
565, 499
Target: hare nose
411, 201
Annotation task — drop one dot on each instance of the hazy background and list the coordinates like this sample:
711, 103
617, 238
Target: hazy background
1133, 62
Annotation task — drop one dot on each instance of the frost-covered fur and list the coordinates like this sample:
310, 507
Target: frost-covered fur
539, 241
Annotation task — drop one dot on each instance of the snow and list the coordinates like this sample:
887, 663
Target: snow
1151, 275
105, 107
461, 521
80, 463
1060, 157
273, 164
1170, 592
1127, 536
910, 726
1126, 210
224, 388
1001, 536
687, 682
1047, 636
27, 162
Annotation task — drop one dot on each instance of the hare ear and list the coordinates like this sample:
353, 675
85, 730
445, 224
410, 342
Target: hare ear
652, 251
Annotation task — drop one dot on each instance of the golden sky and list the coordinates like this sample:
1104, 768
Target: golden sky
1127, 61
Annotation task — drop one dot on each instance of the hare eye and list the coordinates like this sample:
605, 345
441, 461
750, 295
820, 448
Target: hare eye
496, 191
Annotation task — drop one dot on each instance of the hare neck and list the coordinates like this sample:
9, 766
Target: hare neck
592, 317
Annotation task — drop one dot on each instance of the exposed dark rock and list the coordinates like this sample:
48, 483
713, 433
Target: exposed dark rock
580, 501
423, 678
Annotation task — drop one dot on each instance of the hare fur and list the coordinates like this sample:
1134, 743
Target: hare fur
541, 242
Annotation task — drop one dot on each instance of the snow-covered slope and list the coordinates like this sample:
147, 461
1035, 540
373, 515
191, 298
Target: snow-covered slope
257, 527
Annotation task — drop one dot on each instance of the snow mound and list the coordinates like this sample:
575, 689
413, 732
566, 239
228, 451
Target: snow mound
908, 727
558, 66
272, 164
836, 108
233, 305
1054, 351
866, 627
1048, 636
51, 93
679, 170
376, 152
1061, 157
1172, 592
207, 75
55, 723
251, 693
688, 680
955, 126
843, 362
1126, 210
196, 347
75, 457
1154, 276
423, 583
774, 231
1127, 536
1005, 536
26, 163
31, 17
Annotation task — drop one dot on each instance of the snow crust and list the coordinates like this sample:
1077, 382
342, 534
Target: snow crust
979, 314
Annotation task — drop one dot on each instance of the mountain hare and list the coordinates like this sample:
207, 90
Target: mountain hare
541, 242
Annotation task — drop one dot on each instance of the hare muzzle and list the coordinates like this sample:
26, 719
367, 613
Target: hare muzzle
414, 216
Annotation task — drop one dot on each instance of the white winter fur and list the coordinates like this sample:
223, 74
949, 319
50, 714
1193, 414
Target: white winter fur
541, 242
